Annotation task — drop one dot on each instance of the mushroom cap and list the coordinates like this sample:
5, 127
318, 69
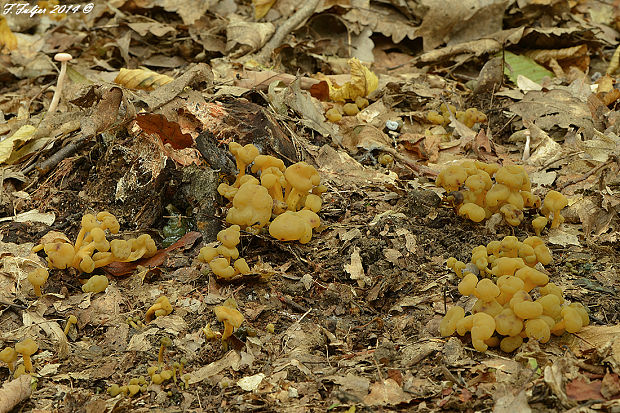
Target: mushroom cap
530, 200
251, 205
472, 211
539, 223
109, 221
96, 284
527, 253
245, 154
533, 241
302, 176
228, 252
221, 268
164, 304
87, 264
8, 355
248, 178
96, 234
207, 254
543, 255
60, 254
486, 290
89, 221
512, 214
242, 266
291, 226
509, 246
231, 315
498, 193
555, 201
310, 217
38, 276
479, 182
488, 168
506, 266
161, 307
268, 180
451, 178
151, 248
514, 177
229, 237
227, 191
313, 203
27, 346
262, 162
62, 57
121, 249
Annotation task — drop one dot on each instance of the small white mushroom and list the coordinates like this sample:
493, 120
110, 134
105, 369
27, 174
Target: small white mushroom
63, 58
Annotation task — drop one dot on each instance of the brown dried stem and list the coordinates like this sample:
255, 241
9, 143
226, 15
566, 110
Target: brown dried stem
288, 26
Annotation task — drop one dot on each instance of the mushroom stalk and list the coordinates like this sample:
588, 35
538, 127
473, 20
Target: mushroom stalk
63, 58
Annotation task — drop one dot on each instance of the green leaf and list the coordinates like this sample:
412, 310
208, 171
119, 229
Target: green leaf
516, 65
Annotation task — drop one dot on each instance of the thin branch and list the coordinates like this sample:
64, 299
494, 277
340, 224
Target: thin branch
288, 26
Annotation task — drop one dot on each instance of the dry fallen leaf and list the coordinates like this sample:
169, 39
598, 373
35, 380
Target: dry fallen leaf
141, 79
15, 391
356, 269
168, 132
387, 392
20, 137
362, 83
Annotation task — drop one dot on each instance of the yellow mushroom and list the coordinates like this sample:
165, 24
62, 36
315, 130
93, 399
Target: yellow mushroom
9, 356
37, 278
72, 320
162, 307
231, 318
26, 348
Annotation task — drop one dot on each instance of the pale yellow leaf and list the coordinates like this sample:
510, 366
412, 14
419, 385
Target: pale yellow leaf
362, 83
261, 7
141, 79
21, 136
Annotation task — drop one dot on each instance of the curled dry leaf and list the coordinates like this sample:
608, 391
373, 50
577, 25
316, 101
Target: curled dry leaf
21, 136
14, 392
168, 132
362, 83
141, 79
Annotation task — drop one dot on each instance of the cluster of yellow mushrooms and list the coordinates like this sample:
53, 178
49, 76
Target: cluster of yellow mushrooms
219, 258
26, 348
334, 114
91, 250
468, 117
479, 190
520, 303
285, 199
291, 195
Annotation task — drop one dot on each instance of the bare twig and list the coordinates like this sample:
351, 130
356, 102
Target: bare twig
48, 164
585, 176
295, 20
